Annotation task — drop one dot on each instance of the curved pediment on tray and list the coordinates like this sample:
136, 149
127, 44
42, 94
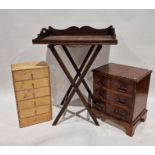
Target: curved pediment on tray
73, 30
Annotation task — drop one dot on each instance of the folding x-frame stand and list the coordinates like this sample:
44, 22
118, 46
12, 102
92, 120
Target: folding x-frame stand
76, 36
74, 87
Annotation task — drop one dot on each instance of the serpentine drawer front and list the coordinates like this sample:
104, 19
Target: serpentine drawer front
33, 92
120, 94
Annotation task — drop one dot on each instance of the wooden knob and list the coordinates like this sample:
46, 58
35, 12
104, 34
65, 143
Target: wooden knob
31, 75
32, 85
34, 103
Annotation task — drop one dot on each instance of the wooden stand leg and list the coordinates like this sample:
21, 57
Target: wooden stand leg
77, 70
74, 84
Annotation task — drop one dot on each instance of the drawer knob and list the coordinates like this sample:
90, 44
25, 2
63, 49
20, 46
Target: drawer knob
31, 75
33, 94
34, 103
35, 112
32, 85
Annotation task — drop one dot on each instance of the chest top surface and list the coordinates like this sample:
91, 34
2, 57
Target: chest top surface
123, 71
29, 65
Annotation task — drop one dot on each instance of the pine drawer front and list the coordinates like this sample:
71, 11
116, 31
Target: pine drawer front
30, 74
43, 109
34, 102
40, 73
41, 83
24, 122
30, 84
35, 119
24, 95
22, 75
43, 101
34, 111
45, 91
32, 93
26, 104
27, 113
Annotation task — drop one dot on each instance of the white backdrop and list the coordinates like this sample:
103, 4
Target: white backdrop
136, 39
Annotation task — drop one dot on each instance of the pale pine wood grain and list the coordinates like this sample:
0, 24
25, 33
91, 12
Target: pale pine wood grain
33, 92
35, 119
30, 74
34, 102
30, 84
28, 65
24, 95
42, 109
27, 113
42, 91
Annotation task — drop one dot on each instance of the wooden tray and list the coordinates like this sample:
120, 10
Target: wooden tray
76, 36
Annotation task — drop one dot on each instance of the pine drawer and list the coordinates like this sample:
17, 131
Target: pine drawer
35, 119
30, 84
32, 93
34, 111
46, 100
30, 74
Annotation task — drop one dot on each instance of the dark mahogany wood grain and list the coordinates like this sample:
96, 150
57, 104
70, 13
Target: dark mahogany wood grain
122, 91
141, 95
75, 35
129, 73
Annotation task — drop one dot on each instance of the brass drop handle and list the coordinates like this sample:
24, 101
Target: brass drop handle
100, 106
101, 82
101, 93
121, 113
122, 101
123, 88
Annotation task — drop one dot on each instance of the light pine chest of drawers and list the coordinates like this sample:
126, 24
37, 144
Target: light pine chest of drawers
33, 92
120, 94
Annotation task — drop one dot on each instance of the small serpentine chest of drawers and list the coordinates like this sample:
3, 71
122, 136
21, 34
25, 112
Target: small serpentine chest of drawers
33, 92
120, 94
